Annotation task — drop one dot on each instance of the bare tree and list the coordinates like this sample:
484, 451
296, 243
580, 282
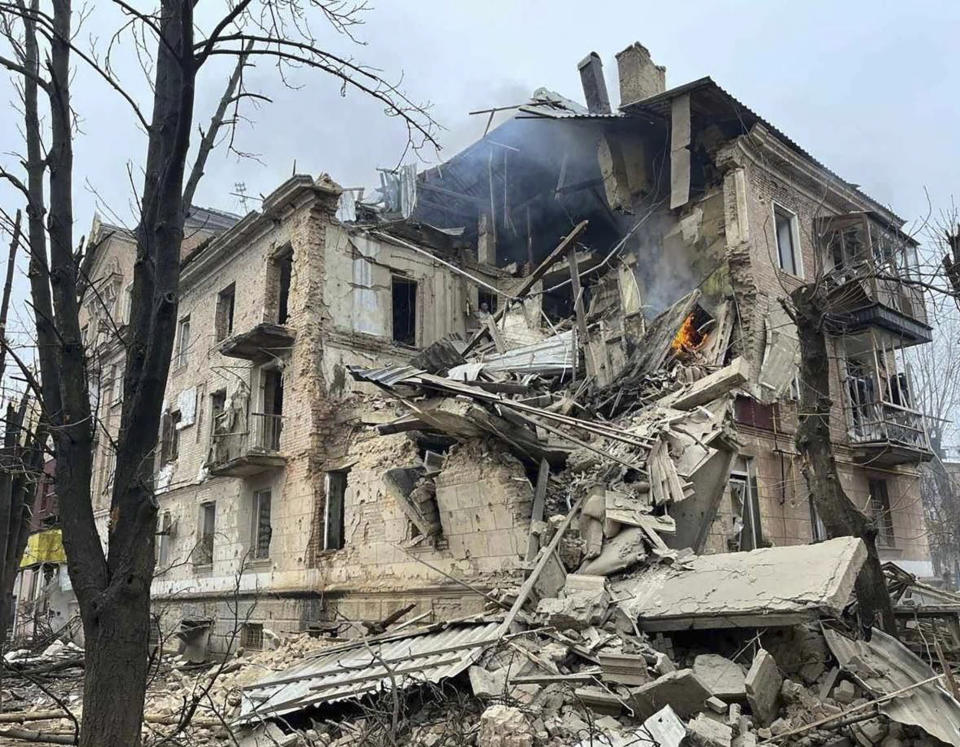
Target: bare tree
113, 586
817, 307
21, 461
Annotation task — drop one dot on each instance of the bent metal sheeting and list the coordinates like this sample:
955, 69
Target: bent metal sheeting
368, 666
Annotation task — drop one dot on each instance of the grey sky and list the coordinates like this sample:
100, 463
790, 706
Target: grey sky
870, 88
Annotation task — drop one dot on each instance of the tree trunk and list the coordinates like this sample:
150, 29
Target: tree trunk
837, 512
117, 621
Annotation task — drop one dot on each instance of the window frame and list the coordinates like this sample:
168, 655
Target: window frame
183, 341
205, 553
396, 280
225, 312
256, 528
881, 512
797, 252
333, 543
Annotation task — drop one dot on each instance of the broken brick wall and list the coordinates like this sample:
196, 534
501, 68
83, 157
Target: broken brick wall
754, 183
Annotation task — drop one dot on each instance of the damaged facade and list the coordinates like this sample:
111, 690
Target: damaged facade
373, 406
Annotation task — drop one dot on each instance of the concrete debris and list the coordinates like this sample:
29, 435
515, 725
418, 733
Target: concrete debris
762, 685
504, 726
745, 589
681, 690
665, 727
707, 732
723, 678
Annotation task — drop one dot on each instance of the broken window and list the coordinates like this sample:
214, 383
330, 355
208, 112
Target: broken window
164, 530
487, 301
262, 531
251, 636
880, 512
268, 423
224, 318
748, 531
183, 342
279, 279
218, 407
208, 527
170, 437
333, 515
787, 246
404, 311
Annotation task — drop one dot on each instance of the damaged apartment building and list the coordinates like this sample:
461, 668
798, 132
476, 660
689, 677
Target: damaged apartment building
385, 406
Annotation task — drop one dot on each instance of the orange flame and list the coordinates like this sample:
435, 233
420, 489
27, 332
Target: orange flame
688, 338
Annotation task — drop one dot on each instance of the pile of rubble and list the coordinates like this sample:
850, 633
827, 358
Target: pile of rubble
568, 673
620, 631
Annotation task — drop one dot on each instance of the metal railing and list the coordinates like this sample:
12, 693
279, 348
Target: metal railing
265, 430
883, 283
873, 422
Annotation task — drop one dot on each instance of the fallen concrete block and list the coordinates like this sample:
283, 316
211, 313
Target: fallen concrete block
599, 700
845, 692
709, 387
762, 686
723, 677
681, 690
704, 731
486, 684
760, 588
503, 726
624, 669
577, 611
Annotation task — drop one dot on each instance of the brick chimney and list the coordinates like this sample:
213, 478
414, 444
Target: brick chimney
640, 76
594, 87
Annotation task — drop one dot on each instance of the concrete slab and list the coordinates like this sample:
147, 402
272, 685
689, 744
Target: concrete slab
744, 589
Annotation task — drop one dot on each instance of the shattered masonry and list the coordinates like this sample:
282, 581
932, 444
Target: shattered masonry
358, 409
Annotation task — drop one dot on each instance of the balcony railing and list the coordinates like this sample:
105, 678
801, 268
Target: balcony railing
247, 448
887, 423
265, 430
882, 284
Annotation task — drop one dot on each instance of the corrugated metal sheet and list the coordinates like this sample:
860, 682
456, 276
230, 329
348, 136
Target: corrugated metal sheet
555, 355
385, 376
884, 665
357, 669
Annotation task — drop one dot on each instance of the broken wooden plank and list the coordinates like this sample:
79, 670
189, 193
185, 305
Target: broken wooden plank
495, 335
577, 290
531, 579
588, 675
536, 516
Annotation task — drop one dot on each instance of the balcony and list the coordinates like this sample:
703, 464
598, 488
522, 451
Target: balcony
885, 434
869, 283
247, 451
264, 342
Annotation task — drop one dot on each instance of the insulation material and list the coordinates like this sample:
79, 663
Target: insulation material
781, 356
